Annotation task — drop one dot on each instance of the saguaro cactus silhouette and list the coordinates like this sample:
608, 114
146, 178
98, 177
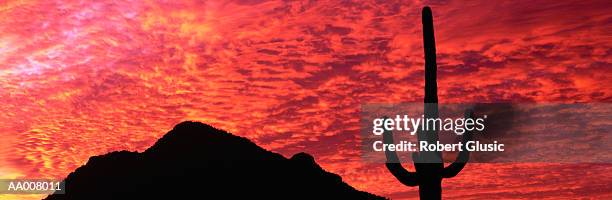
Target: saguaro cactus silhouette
429, 165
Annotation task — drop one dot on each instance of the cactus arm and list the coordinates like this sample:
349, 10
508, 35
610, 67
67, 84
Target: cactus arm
453, 169
388, 139
393, 164
404, 176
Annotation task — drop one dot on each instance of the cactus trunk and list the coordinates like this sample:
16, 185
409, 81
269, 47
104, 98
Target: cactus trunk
430, 182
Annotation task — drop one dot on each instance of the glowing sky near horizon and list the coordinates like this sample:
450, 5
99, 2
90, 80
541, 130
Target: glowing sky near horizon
83, 78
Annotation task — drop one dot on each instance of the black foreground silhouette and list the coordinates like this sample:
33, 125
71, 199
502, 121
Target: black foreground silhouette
429, 165
197, 161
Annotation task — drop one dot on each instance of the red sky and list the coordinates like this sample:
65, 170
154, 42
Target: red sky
82, 78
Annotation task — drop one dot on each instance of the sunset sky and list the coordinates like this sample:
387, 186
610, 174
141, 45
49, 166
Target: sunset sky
83, 78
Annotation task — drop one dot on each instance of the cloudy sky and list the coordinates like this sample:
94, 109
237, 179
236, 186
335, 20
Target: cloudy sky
82, 78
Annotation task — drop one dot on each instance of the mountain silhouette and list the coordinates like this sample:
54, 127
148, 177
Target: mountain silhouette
198, 161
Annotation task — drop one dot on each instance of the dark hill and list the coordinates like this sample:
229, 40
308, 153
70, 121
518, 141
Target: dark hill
197, 161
